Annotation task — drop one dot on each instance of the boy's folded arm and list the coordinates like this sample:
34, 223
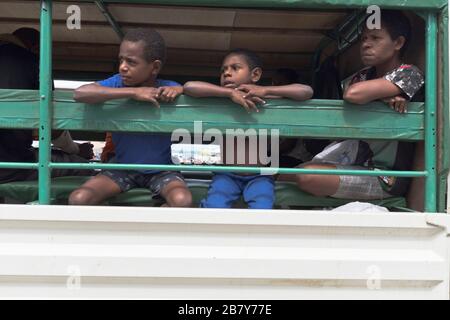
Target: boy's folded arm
293, 91
199, 89
169, 93
95, 93
371, 90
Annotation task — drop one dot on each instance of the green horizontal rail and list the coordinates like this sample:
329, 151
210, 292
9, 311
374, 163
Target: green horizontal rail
316, 4
26, 165
19, 165
314, 118
235, 169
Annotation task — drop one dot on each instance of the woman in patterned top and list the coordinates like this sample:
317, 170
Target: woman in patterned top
385, 78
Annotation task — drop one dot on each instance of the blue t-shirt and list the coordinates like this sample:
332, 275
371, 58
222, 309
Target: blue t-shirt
138, 148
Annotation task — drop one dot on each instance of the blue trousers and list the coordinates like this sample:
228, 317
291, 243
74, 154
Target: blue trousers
258, 191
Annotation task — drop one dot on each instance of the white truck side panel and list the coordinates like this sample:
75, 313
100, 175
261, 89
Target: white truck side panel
164, 253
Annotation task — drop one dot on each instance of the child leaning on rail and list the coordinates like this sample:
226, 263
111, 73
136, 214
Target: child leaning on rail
142, 54
241, 70
385, 78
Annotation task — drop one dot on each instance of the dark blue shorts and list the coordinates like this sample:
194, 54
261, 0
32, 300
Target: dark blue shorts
130, 179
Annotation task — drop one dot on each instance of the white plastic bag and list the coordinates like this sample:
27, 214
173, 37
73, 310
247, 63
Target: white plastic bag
360, 207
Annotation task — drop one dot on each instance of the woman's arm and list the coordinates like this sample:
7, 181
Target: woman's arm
366, 91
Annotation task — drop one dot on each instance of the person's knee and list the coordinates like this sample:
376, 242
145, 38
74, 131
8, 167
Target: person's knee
313, 184
305, 180
179, 197
81, 196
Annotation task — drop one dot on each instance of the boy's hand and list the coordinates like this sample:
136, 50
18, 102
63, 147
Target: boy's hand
398, 103
147, 94
249, 103
253, 90
168, 94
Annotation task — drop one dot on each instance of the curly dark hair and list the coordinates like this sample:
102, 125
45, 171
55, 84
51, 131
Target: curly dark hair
154, 45
253, 60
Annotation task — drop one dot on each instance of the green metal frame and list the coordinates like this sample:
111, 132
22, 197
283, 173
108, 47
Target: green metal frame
46, 98
444, 113
104, 10
315, 118
46, 103
291, 4
430, 112
340, 34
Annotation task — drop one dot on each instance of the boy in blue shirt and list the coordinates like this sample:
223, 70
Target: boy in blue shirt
241, 70
141, 57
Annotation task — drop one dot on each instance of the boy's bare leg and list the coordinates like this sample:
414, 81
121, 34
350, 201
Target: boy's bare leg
318, 185
177, 194
94, 191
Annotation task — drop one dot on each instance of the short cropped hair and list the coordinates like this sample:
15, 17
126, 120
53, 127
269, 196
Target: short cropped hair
253, 60
397, 25
154, 45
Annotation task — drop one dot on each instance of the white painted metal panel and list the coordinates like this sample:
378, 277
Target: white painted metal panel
163, 253
448, 185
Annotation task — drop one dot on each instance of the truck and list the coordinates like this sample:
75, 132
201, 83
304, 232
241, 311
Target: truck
131, 248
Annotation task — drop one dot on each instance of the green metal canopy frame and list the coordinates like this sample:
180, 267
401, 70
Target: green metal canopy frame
312, 4
431, 8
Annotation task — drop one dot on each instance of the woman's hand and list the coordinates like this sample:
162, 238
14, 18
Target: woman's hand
398, 103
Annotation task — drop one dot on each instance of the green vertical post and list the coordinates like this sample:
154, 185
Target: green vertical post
443, 115
46, 98
430, 113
